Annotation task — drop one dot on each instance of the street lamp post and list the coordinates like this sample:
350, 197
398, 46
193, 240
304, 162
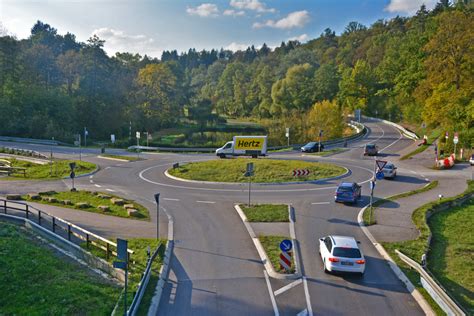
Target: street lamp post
157, 199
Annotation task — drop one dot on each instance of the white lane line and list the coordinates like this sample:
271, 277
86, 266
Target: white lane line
287, 287
99, 186
272, 297
320, 203
308, 299
304, 312
106, 168
401, 136
90, 177
110, 190
208, 202
168, 199
426, 179
91, 181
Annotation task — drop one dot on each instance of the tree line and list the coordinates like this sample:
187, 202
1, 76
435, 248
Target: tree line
414, 70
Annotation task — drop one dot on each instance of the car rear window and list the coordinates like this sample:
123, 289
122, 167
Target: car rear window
346, 252
370, 146
388, 167
344, 189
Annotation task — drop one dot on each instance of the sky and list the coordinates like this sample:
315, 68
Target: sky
151, 26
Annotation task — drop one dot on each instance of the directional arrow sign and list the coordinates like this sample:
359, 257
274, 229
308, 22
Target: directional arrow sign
299, 172
286, 245
379, 175
380, 164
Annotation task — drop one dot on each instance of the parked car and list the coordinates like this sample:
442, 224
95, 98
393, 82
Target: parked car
389, 170
312, 147
341, 253
471, 160
348, 192
371, 150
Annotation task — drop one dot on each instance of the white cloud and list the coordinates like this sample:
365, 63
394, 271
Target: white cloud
409, 6
294, 19
254, 5
118, 41
234, 13
302, 38
236, 46
204, 10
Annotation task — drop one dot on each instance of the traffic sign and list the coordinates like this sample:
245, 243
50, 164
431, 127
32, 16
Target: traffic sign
300, 172
112, 138
285, 260
286, 245
380, 164
456, 138
120, 265
72, 175
122, 246
137, 134
379, 175
250, 167
446, 135
72, 165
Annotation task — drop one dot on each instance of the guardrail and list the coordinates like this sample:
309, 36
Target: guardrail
445, 302
143, 283
32, 140
60, 226
406, 132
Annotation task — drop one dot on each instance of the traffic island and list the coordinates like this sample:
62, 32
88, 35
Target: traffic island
94, 202
272, 230
265, 171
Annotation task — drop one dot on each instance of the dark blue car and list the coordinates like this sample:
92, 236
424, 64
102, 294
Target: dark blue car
348, 192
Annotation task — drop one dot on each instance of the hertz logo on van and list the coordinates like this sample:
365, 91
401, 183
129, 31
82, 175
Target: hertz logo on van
249, 144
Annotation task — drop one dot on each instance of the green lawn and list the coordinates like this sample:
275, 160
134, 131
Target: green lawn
129, 158
271, 244
266, 213
139, 259
94, 201
36, 280
60, 169
369, 218
452, 252
415, 248
265, 170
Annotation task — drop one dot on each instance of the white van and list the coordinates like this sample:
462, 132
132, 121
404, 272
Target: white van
245, 146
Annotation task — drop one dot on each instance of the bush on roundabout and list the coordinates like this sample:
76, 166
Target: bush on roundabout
265, 170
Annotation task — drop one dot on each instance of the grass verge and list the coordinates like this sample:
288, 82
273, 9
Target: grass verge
128, 158
266, 170
37, 280
59, 169
368, 215
266, 213
93, 200
138, 266
271, 244
415, 248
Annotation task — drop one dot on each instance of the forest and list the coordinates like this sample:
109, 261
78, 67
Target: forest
415, 70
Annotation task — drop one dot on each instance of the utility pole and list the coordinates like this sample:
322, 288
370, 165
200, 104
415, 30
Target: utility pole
157, 199
85, 137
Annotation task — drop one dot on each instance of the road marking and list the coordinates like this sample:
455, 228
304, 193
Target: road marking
320, 203
110, 190
272, 297
208, 202
426, 179
401, 136
308, 300
91, 181
304, 312
99, 186
168, 199
106, 168
90, 177
287, 287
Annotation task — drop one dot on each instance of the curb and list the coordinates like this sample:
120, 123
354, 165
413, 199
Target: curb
164, 271
97, 169
348, 172
398, 272
261, 251
110, 158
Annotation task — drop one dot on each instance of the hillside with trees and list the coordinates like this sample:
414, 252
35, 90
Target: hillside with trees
411, 70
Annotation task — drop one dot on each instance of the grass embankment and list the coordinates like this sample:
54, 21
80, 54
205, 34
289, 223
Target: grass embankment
367, 214
271, 244
455, 252
60, 169
36, 280
139, 259
265, 170
431, 138
266, 213
121, 157
93, 199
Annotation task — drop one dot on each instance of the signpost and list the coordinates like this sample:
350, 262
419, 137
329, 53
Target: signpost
72, 165
122, 255
86, 132
320, 134
357, 115
157, 199
137, 135
285, 255
287, 134
455, 141
372, 187
112, 138
249, 173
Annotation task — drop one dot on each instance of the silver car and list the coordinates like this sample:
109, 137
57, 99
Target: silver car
341, 253
389, 170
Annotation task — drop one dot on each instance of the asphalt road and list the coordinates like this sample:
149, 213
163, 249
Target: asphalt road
216, 269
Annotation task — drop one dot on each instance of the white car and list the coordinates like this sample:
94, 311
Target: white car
341, 253
389, 170
471, 160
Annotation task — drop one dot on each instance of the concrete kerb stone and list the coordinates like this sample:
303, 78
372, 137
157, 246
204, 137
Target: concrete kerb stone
398, 272
97, 169
261, 251
165, 267
345, 174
